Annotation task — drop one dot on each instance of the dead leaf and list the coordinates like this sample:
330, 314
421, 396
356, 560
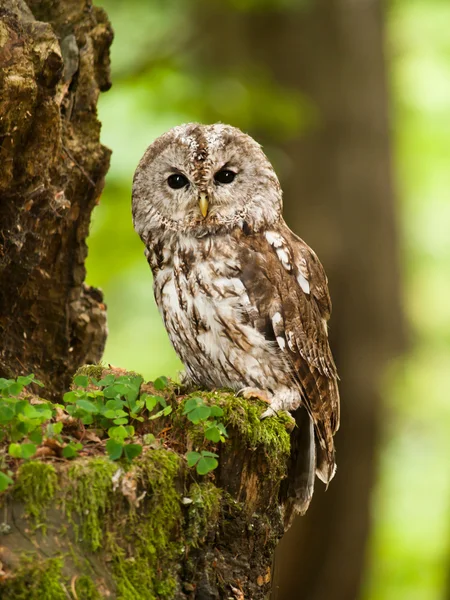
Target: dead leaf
91, 436
53, 444
263, 579
63, 417
128, 488
44, 451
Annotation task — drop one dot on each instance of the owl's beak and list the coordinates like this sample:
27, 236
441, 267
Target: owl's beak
203, 202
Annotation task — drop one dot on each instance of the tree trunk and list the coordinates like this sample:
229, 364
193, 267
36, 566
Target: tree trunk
338, 197
54, 59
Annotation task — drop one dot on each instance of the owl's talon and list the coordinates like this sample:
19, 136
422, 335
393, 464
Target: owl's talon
270, 412
250, 393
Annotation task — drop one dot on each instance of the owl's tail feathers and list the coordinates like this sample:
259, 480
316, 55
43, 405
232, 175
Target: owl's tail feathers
326, 465
325, 453
298, 488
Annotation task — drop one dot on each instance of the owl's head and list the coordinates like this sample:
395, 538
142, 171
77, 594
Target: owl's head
196, 179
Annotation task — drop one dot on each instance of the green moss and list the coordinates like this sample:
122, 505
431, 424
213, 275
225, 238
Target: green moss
36, 486
86, 589
244, 415
203, 512
89, 496
36, 580
144, 554
94, 371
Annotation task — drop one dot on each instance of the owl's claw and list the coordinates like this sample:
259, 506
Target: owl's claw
270, 412
251, 392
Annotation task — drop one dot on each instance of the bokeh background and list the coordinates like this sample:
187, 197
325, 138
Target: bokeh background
351, 100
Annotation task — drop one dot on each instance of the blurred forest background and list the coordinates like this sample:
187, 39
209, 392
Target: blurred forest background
308, 80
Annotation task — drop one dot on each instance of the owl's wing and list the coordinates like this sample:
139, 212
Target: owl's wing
286, 283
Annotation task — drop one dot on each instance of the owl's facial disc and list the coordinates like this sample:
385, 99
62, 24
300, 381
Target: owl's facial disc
199, 178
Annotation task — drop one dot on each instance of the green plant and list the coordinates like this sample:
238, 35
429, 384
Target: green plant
204, 461
214, 430
113, 404
20, 421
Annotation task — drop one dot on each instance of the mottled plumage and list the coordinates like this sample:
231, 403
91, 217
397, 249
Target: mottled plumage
244, 300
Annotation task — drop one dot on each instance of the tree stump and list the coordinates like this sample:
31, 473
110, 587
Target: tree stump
151, 528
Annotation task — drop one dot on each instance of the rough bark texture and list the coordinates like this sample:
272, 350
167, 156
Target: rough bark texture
338, 197
54, 61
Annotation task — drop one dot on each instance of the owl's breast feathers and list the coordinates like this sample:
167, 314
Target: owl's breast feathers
251, 309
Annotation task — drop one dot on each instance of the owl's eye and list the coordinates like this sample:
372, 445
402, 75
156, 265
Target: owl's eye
224, 176
177, 181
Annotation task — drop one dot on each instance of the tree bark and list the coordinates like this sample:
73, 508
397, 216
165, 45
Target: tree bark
339, 198
54, 59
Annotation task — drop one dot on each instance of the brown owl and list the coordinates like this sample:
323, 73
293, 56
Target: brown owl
244, 300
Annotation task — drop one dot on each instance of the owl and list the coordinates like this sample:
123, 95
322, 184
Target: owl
244, 300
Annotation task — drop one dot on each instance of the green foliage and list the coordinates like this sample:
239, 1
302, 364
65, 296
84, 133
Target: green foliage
71, 449
114, 401
113, 404
204, 461
20, 420
161, 383
22, 450
5, 481
200, 413
13, 387
245, 416
152, 401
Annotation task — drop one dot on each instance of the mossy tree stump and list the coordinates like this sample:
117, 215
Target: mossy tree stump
152, 528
